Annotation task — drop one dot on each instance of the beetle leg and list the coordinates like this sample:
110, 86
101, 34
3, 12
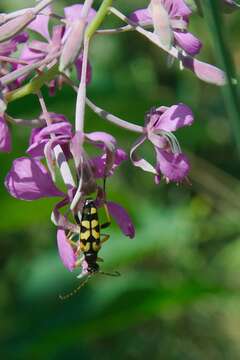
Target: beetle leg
108, 222
105, 238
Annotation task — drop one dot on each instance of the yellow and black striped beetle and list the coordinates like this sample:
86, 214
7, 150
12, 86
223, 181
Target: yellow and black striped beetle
90, 238
90, 242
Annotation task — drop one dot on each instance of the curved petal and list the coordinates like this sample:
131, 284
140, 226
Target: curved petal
175, 167
188, 42
55, 117
78, 65
36, 150
174, 117
141, 17
20, 38
40, 24
73, 13
176, 8
99, 164
120, 156
204, 71
7, 47
57, 34
61, 220
102, 139
62, 128
122, 218
139, 162
5, 136
65, 250
29, 180
29, 55
161, 23
76, 148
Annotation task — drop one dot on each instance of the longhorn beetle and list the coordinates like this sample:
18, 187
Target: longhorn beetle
90, 242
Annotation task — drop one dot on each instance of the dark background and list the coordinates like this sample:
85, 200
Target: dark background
178, 296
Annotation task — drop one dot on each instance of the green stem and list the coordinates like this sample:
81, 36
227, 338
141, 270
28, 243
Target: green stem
33, 86
230, 93
102, 12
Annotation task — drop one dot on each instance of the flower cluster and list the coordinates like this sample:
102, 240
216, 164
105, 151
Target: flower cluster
57, 147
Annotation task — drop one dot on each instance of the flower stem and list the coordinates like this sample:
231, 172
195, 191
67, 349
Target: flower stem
114, 119
33, 86
81, 96
58, 152
100, 16
230, 92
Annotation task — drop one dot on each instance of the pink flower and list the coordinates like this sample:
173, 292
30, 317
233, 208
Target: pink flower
119, 214
170, 161
9, 47
76, 22
170, 20
5, 137
29, 180
37, 50
66, 252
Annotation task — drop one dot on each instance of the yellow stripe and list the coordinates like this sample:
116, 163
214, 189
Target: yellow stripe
85, 235
95, 234
86, 224
96, 247
93, 210
94, 223
85, 248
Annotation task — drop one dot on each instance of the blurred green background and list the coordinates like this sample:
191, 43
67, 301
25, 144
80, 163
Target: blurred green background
179, 293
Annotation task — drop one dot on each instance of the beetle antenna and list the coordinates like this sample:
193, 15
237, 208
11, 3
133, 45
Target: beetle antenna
69, 295
114, 273
104, 186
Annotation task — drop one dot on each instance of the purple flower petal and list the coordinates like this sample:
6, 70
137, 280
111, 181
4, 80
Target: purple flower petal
55, 118
36, 150
175, 167
176, 8
15, 25
122, 218
99, 163
76, 148
161, 23
205, 71
57, 34
102, 139
40, 137
39, 46
120, 155
40, 24
78, 65
61, 220
8, 47
62, 128
73, 13
171, 119
29, 55
65, 250
140, 162
141, 16
20, 38
188, 42
28, 179
5, 136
